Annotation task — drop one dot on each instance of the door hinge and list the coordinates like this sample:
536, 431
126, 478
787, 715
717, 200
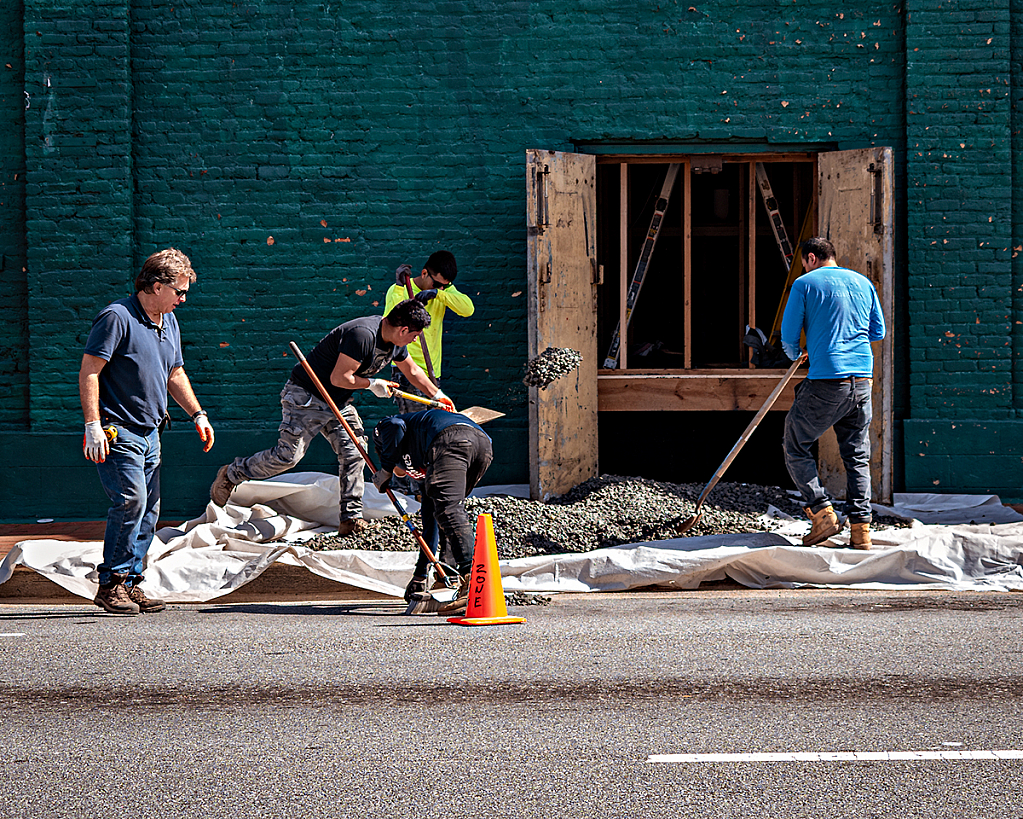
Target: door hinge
543, 217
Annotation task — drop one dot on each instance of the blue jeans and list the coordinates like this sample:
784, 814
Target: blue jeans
819, 405
131, 478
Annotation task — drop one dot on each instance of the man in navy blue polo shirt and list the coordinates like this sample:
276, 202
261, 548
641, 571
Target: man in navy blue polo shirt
132, 361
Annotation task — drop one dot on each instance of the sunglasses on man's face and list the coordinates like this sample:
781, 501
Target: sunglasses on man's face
438, 284
179, 292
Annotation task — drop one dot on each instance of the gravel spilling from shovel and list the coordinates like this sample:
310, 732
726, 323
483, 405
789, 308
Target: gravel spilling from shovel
550, 365
605, 511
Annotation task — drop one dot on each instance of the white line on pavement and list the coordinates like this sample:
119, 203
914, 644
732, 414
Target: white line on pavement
12, 634
839, 756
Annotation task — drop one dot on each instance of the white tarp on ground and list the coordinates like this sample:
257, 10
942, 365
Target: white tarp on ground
978, 544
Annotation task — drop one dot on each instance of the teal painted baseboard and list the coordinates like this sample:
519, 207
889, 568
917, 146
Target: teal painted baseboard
45, 475
974, 457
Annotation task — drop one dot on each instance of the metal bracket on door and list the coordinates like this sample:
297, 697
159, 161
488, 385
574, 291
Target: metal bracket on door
543, 216
541, 286
877, 200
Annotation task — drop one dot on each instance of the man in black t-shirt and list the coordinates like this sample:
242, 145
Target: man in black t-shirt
344, 361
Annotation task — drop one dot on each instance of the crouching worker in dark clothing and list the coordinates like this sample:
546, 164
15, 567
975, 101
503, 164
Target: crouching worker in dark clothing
454, 453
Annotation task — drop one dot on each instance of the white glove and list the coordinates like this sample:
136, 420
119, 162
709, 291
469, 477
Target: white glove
205, 430
382, 479
449, 405
95, 444
381, 388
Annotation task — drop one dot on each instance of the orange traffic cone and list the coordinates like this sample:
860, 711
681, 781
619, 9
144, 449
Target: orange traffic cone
486, 606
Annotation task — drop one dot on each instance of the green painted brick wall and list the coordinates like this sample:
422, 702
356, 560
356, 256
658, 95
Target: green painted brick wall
78, 190
14, 384
959, 203
300, 151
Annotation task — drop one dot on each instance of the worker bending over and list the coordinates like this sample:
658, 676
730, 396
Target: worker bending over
453, 453
344, 361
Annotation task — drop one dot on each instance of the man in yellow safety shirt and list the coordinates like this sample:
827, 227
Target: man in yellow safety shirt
438, 275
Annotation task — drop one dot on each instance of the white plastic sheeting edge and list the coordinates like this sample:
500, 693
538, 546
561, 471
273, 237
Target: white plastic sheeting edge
266, 522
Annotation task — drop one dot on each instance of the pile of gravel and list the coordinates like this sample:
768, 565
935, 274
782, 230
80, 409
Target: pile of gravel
605, 511
550, 365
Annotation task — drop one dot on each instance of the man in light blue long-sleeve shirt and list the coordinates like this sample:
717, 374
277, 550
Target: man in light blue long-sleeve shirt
840, 313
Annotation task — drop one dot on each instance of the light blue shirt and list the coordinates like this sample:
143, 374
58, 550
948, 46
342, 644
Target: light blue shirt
841, 314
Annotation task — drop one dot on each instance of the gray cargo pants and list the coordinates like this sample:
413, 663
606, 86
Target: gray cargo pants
303, 417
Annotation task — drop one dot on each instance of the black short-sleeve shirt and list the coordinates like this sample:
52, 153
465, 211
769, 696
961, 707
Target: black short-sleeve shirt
360, 339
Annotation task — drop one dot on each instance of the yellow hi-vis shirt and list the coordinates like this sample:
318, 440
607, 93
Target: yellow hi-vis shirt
448, 298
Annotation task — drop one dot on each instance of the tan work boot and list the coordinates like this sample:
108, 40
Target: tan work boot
220, 490
145, 604
460, 604
114, 597
824, 525
859, 536
352, 526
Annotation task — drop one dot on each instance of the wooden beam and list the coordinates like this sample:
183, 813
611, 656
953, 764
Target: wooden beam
692, 390
687, 263
751, 242
740, 313
660, 159
623, 265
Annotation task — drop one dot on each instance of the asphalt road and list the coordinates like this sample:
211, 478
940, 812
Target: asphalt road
324, 710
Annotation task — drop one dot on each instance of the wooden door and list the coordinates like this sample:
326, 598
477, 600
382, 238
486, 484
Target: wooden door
856, 212
562, 277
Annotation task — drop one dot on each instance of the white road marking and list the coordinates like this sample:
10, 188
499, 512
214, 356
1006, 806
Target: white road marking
12, 634
838, 756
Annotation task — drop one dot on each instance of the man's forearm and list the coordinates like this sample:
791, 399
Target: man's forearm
417, 378
88, 392
180, 389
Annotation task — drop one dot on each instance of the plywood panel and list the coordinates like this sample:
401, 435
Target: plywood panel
561, 285
856, 212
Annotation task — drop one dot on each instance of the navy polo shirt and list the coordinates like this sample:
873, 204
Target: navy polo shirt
140, 357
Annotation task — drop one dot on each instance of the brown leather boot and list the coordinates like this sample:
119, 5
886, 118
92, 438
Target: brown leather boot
859, 536
221, 488
824, 525
147, 605
352, 526
461, 601
114, 597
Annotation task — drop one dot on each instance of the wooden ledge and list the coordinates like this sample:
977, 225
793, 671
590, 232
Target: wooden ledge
692, 390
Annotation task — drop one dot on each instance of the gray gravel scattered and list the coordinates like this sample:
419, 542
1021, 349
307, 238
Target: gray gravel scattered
551, 364
601, 512
521, 598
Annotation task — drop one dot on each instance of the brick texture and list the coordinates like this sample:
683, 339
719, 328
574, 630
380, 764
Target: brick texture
299, 151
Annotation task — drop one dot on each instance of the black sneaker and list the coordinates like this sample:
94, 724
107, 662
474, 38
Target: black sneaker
416, 585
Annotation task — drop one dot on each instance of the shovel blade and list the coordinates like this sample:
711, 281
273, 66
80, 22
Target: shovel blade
689, 523
481, 414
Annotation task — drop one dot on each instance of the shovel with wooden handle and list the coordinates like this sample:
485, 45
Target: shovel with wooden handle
689, 523
478, 414
422, 336
405, 517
